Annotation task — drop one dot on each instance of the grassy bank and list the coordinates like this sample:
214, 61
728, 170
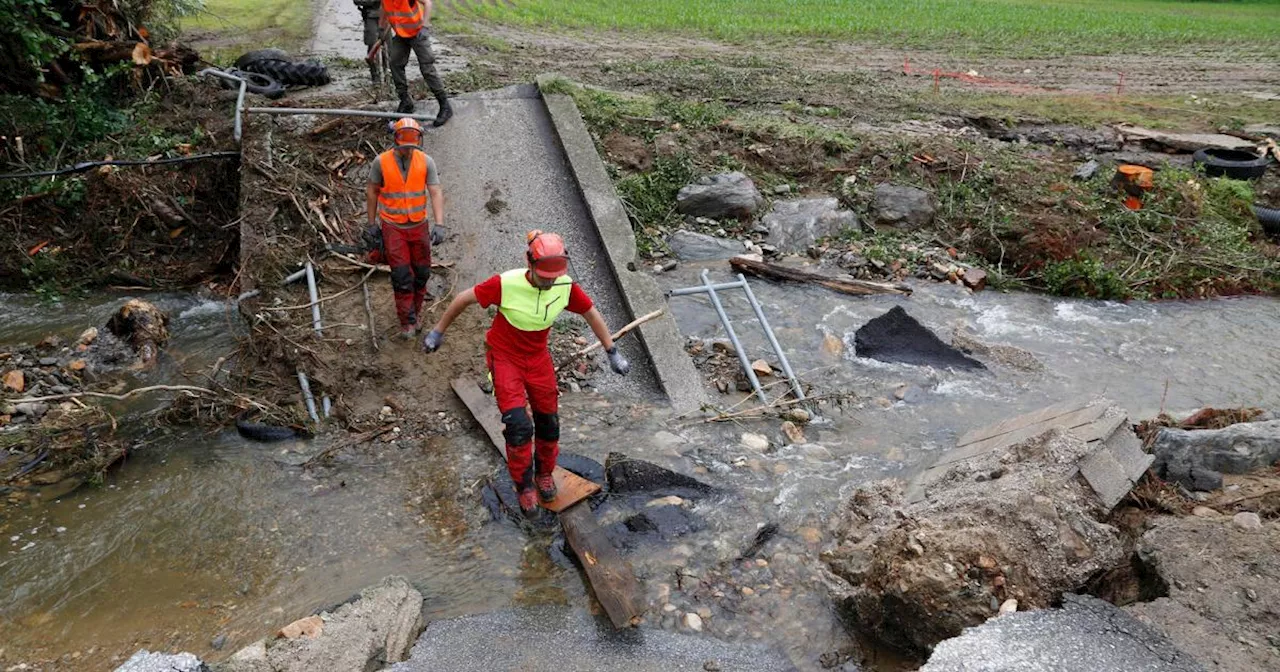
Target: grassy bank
1014, 210
1019, 27
224, 26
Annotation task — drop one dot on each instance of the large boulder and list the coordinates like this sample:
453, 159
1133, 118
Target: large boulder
377, 628
146, 661
1220, 588
1012, 523
1085, 635
723, 195
795, 225
1198, 458
903, 207
693, 246
898, 337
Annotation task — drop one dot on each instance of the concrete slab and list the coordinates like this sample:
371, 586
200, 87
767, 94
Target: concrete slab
572, 641
1126, 448
661, 338
501, 147
1086, 635
1106, 476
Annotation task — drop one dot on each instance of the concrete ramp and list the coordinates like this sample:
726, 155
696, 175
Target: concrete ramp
504, 167
572, 641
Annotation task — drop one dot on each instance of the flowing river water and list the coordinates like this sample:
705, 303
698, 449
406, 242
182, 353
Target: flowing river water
200, 537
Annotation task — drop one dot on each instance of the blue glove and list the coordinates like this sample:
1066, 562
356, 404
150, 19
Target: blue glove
433, 341
617, 362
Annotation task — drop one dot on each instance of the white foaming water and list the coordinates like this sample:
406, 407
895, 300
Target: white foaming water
967, 389
203, 308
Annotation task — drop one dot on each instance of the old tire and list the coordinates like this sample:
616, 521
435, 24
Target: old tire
1235, 164
260, 84
246, 61
1269, 218
292, 74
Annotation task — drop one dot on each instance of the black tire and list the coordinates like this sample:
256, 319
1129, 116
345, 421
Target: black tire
1235, 164
293, 74
260, 84
255, 431
246, 61
1269, 218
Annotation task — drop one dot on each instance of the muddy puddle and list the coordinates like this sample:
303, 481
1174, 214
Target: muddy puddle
208, 539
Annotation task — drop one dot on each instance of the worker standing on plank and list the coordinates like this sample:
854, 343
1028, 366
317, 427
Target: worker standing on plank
371, 16
410, 21
529, 300
402, 181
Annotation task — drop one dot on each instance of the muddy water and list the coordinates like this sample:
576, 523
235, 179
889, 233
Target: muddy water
201, 536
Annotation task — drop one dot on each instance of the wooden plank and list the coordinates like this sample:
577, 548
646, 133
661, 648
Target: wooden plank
1017, 422
1069, 421
1100, 429
770, 271
609, 575
571, 488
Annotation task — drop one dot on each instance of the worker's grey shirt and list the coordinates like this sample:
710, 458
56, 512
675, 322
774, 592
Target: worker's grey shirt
375, 170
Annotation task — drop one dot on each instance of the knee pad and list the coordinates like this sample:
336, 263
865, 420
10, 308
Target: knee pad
401, 279
518, 429
546, 426
421, 274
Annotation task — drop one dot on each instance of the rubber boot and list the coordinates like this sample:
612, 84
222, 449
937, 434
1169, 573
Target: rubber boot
446, 111
406, 103
546, 487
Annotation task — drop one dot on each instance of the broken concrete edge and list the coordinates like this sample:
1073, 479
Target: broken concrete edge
661, 337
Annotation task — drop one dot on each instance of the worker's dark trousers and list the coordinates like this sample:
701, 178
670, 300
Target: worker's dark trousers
398, 57
408, 253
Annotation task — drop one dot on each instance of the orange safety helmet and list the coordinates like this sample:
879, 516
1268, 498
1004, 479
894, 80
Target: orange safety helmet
407, 131
547, 256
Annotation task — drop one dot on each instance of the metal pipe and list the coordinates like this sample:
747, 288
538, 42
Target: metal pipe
306, 395
700, 290
244, 84
315, 299
341, 113
773, 340
733, 338
294, 277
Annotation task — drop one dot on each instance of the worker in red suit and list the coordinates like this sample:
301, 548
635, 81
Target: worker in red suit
529, 300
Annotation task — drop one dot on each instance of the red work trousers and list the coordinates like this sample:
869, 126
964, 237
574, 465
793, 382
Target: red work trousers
516, 379
408, 252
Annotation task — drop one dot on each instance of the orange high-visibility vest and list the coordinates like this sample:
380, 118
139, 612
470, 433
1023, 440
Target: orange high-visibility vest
403, 199
404, 19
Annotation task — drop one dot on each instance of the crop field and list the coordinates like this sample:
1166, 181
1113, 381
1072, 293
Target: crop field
1010, 27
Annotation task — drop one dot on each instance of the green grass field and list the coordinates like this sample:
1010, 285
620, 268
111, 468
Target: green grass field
286, 22
1014, 27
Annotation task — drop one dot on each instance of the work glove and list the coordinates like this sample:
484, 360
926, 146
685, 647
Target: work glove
617, 362
437, 235
433, 341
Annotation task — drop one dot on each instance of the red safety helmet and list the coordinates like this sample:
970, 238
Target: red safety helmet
547, 256
407, 131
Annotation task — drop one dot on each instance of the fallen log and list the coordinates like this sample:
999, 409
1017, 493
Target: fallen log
782, 273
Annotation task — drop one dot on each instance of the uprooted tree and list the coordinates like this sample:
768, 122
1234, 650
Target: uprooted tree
46, 45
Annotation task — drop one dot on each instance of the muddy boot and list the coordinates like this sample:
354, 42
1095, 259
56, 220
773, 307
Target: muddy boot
446, 111
375, 74
546, 487
406, 103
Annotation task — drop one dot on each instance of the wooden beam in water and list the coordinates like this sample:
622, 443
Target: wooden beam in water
610, 576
